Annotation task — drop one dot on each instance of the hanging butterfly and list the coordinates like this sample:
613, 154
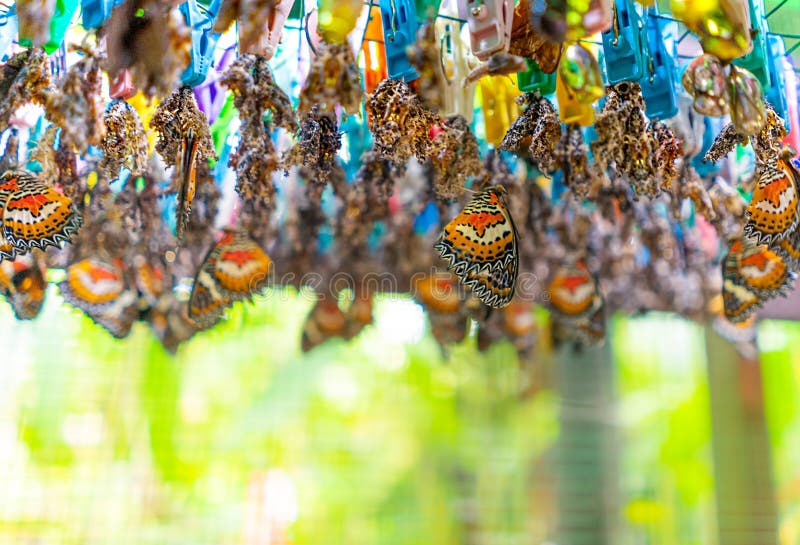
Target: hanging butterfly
34, 214
772, 212
23, 283
187, 177
235, 269
573, 292
480, 247
169, 322
440, 296
752, 274
99, 289
789, 249
325, 321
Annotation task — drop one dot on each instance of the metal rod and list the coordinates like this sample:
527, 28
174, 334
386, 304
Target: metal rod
776, 8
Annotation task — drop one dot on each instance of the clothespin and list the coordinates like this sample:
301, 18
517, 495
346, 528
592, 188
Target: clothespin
122, 86
533, 79
622, 44
374, 51
659, 83
210, 94
776, 95
489, 23
268, 43
570, 110
96, 12
399, 30
499, 104
427, 220
62, 16
756, 59
200, 20
8, 32
455, 56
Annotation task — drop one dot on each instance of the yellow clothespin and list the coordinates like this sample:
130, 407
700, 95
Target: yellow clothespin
145, 108
570, 110
498, 101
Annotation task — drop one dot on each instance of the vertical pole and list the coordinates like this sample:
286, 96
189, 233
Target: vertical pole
746, 510
587, 450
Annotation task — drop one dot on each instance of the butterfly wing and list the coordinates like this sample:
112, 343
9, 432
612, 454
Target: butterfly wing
480, 247
772, 211
187, 175
241, 267
36, 215
23, 283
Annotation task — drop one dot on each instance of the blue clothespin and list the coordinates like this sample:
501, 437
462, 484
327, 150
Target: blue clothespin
204, 40
96, 12
426, 220
756, 60
713, 125
622, 44
399, 18
776, 96
659, 83
8, 32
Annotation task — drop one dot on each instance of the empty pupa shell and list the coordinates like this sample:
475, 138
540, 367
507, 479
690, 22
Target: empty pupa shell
748, 112
705, 80
581, 74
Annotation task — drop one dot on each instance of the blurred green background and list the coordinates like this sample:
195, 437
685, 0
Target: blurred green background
243, 439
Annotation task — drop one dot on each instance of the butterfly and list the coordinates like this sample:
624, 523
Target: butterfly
234, 269
101, 291
772, 212
169, 321
752, 274
480, 247
573, 292
526, 42
23, 283
327, 320
34, 214
187, 175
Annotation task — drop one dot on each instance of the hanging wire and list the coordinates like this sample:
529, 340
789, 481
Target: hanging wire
776, 8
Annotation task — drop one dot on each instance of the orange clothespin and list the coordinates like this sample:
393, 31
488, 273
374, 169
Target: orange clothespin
500, 109
569, 109
374, 51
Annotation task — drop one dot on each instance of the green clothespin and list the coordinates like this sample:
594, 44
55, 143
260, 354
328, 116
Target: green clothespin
64, 12
534, 79
756, 60
221, 127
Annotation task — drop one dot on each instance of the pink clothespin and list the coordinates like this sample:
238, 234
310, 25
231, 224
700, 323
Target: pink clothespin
122, 86
489, 23
268, 42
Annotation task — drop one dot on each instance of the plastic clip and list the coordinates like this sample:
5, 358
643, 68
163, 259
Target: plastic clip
268, 43
776, 95
659, 84
756, 59
570, 110
533, 79
489, 23
455, 63
94, 13
122, 86
499, 101
622, 45
374, 51
200, 20
400, 31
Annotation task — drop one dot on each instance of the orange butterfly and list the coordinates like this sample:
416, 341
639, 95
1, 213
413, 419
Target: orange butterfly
480, 247
234, 269
34, 214
772, 212
100, 290
187, 174
23, 283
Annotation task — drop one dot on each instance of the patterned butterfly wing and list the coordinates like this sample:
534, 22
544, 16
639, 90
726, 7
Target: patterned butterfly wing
752, 274
35, 215
325, 321
23, 283
207, 304
573, 292
789, 249
241, 268
99, 289
772, 211
480, 247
